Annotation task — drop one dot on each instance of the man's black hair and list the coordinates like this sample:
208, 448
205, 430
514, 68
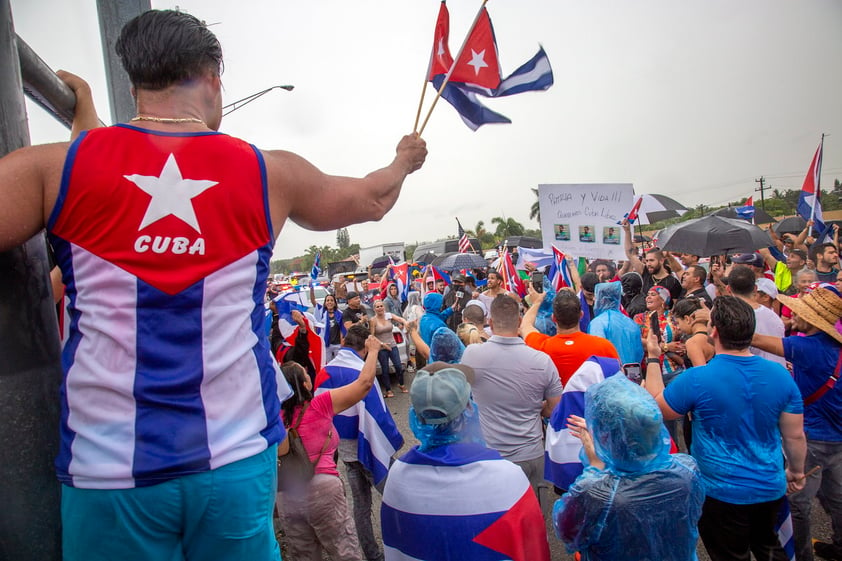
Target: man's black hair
741, 280
699, 272
734, 320
356, 336
567, 309
160, 48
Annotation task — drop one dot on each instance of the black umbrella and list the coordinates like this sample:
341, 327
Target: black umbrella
791, 225
640, 238
426, 259
458, 261
760, 215
713, 235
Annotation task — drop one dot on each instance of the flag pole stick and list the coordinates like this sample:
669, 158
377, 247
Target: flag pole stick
818, 172
452, 67
420, 104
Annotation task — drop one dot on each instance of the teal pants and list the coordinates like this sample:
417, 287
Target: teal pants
219, 515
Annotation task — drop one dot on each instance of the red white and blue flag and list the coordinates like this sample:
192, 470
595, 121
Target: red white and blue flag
511, 279
464, 242
317, 266
746, 211
461, 502
632, 215
368, 421
399, 274
477, 72
559, 274
809, 202
562, 464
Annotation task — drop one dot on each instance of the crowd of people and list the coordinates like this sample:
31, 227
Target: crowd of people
660, 399
676, 399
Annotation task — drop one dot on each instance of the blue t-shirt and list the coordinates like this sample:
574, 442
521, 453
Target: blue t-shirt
813, 360
737, 402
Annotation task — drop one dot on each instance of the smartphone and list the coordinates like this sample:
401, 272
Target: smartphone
538, 281
654, 325
632, 372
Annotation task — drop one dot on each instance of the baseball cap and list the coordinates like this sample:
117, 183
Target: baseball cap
352, 295
753, 259
766, 286
479, 304
459, 278
439, 397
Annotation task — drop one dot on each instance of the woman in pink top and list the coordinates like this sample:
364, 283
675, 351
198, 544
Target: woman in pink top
316, 517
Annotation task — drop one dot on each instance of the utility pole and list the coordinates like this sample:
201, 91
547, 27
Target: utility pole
762, 188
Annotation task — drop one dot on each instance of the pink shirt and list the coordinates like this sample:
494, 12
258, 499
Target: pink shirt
314, 428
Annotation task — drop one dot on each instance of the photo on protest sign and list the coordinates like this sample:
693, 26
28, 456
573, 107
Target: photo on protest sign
582, 219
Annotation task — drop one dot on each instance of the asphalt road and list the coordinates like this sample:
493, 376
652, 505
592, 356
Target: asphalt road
399, 406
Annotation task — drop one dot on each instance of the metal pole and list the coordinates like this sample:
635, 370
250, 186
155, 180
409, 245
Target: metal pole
30, 371
43, 87
113, 15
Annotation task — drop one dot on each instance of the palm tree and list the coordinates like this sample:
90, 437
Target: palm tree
535, 210
507, 227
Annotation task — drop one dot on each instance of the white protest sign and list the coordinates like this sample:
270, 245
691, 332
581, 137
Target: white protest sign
581, 219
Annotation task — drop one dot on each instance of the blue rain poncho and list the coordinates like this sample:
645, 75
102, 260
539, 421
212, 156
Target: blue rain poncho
544, 320
610, 323
433, 317
645, 504
445, 346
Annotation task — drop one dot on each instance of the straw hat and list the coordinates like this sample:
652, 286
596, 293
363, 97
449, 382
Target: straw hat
821, 308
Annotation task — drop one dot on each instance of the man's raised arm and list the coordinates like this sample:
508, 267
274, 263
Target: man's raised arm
318, 201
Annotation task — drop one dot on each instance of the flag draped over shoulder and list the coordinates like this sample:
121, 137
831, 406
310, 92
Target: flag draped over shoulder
477, 72
368, 421
559, 275
461, 501
809, 202
561, 456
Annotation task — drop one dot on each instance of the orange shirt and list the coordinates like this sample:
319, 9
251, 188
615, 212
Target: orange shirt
568, 352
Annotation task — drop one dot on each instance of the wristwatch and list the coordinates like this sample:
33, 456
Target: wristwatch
653, 361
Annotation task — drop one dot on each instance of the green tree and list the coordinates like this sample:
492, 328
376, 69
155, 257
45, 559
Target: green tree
507, 227
343, 238
535, 209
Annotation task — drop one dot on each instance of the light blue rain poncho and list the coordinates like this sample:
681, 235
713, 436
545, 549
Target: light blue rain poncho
645, 504
610, 323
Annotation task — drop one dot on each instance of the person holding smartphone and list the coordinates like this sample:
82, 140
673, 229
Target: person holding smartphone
456, 296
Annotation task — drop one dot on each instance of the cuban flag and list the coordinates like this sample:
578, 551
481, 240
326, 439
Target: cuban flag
746, 211
461, 502
368, 422
285, 304
539, 257
632, 215
809, 202
562, 464
399, 274
559, 275
317, 266
511, 279
437, 274
477, 72
783, 527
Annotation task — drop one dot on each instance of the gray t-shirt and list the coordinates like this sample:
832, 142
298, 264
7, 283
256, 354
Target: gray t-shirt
511, 382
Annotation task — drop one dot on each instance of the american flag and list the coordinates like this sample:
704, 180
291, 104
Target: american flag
464, 243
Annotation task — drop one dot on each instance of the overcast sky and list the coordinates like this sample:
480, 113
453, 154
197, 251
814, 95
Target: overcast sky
694, 100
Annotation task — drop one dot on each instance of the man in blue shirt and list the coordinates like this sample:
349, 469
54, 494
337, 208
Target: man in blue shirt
744, 409
816, 357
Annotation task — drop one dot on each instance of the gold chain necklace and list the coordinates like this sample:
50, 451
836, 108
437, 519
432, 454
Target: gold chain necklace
173, 120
